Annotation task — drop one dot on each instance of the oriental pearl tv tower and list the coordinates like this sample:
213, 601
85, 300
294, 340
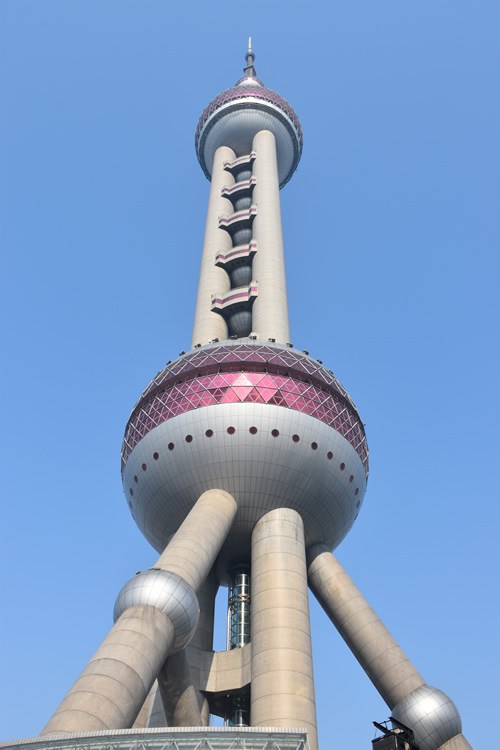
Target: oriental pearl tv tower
244, 464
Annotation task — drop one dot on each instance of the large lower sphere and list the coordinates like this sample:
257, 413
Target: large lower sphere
266, 455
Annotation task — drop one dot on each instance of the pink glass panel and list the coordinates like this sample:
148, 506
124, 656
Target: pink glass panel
267, 393
282, 390
241, 392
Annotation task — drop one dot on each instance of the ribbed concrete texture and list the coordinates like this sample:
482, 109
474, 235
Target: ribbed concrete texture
282, 693
385, 663
456, 743
185, 705
112, 688
270, 309
179, 695
151, 713
207, 324
193, 549
156, 714
383, 660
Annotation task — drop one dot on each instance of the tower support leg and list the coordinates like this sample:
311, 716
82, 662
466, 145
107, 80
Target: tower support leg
282, 689
185, 705
431, 715
112, 688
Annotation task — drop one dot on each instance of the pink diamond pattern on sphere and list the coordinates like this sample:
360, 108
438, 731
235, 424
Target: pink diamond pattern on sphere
246, 373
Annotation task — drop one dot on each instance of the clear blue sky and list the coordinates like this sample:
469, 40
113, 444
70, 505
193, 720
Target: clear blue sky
392, 240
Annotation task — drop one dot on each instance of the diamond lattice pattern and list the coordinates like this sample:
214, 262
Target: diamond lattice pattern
245, 387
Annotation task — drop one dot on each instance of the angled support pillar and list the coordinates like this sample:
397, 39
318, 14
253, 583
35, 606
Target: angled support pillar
156, 614
431, 715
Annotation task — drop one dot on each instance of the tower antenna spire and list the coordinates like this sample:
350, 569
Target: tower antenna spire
249, 69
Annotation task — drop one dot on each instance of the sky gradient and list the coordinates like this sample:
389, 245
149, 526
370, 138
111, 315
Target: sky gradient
391, 243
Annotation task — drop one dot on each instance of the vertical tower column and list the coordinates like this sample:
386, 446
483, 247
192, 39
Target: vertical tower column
270, 309
209, 325
282, 691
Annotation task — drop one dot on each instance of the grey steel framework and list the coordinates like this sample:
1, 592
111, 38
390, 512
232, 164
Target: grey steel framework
244, 463
210, 738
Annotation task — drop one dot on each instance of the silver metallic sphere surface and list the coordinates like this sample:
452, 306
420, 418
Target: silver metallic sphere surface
431, 715
235, 116
169, 593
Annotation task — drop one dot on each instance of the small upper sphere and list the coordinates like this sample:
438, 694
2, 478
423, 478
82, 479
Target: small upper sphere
235, 116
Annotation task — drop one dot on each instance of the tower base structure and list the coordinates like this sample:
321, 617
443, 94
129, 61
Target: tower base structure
182, 738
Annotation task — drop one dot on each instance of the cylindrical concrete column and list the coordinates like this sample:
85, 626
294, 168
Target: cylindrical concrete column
113, 686
185, 705
383, 660
458, 742
270, 309
209, 325
180, 698
282, 690
429, 712
193, 549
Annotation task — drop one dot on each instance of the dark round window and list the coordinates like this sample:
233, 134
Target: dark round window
253, 430
209, 433
171, 446
156, 456
342, 467
329, 455
275, 433
136, 479
131, 491
189, 438
231, 430
295, 438
144, 467
314, 446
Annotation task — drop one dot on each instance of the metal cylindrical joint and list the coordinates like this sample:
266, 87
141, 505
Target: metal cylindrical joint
433, 718
239, 608
282, 692
169, 593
